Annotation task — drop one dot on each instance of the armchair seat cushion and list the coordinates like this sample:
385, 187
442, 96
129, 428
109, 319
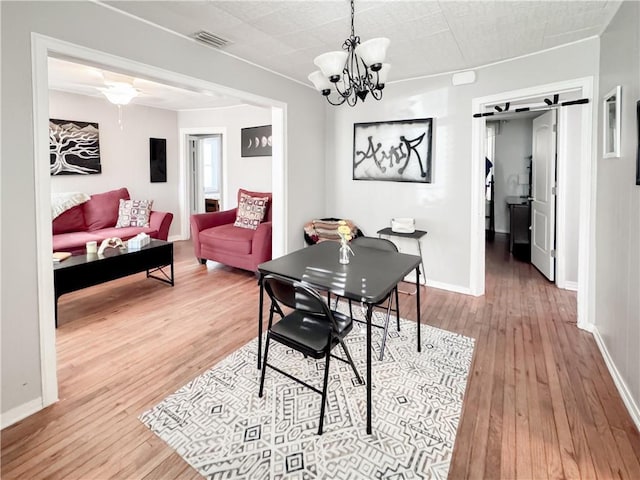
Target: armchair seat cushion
229, 238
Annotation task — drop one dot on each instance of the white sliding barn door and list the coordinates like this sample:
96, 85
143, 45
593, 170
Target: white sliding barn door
543, 203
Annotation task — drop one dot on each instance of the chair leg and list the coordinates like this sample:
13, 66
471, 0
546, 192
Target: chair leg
353, 365
386, 329
397, 309
264, 366
324, 390
350, 310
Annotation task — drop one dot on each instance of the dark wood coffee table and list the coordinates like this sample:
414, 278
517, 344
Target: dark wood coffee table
82, 271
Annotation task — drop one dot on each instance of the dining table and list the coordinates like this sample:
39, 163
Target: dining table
369, 278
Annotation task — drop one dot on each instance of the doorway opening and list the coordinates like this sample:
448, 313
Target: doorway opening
205, 157
44, 47
522, 175
572, 193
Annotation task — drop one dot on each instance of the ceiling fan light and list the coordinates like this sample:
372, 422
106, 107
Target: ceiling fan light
320, 81
331, 63
119, 93
373, 52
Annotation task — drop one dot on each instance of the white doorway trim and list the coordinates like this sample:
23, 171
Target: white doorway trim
41, 48
185, 174
586, 256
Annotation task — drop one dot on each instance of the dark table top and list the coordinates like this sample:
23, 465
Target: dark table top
388, 231
369, 276
82, 259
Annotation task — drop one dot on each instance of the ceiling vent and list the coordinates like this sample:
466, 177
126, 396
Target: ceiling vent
210, 39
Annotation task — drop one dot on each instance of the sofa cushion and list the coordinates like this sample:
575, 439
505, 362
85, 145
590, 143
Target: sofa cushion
71, 220
125, 233
102, 210
71, 241
228, 238
251, 211
134, 213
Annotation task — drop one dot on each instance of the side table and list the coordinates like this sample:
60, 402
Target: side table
416, 235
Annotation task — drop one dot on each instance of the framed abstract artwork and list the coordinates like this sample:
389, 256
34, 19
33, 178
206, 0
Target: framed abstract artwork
74, 147
611, 106
395, 151
256, 141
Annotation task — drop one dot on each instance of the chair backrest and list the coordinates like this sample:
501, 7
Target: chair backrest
298, 296
377, 243
267, 216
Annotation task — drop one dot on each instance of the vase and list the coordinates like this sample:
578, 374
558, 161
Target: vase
344, 254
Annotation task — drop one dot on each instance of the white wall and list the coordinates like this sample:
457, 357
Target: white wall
618, 211
91, 25
569, 181
443, 207
513, 147
250, 173
124, 154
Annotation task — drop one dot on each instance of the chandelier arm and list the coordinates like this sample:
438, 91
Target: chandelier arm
338, 103
376, 93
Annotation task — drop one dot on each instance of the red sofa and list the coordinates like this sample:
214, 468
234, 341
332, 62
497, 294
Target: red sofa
215, 237
96, 219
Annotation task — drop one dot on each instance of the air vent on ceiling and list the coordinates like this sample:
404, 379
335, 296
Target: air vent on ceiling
210, 39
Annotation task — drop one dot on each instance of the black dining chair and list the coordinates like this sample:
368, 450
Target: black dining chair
387, 303
311, 328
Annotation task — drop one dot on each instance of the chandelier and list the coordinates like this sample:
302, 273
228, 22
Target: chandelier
354, 72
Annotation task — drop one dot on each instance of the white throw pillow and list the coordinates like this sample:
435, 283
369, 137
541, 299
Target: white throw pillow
134, 213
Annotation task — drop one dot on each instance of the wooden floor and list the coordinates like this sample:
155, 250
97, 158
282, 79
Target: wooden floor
540, 402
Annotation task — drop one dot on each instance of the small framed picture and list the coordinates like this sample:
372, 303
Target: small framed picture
638, 153
256, 141
611, 107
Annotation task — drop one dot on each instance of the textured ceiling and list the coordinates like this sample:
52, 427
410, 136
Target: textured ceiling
427, 37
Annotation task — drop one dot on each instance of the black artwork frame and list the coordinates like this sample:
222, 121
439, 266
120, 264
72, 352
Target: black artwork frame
74, 147
394, 151
638, 152
158, 160
256, 141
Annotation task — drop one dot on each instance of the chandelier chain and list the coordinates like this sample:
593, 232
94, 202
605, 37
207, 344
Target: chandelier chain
353, 10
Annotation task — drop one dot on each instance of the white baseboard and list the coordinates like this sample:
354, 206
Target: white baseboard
627, 398
21, 411
411, 278
449, 287
573, 286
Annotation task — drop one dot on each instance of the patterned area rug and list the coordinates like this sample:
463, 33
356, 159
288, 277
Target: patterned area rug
220, 427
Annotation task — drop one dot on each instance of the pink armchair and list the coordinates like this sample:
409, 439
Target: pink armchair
215, 238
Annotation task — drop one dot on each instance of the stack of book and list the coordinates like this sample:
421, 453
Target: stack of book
60, 256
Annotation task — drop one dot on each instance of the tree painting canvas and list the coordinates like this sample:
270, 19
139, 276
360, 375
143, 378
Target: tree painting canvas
74, 147
396, 151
